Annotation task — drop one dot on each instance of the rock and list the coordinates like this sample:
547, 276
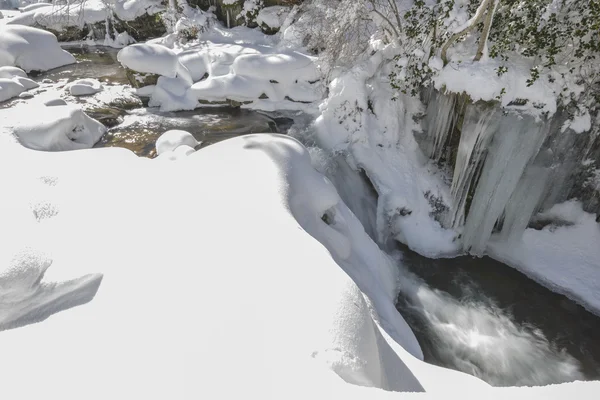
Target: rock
108, 116
55, 102
171, 140
84, 87
141, 79
270, 19
10, 72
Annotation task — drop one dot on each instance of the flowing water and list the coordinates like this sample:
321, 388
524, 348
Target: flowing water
136, 127
480, 316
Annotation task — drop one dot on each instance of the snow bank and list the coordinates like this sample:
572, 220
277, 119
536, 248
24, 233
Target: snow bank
564, 257
55, 128
31, 49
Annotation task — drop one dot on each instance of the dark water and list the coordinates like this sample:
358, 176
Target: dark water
553, 333
208, 125
96, 62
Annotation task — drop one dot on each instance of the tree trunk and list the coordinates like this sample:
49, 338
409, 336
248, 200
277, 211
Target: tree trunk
486, 29
469, 26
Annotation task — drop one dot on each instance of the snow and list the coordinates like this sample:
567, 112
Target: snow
261, 75
84, 87
54, 128
31, 49
171, 140
266, 272
294, 292
381, 142
273, 17
479, 79
153, 59
34, 6
62, 15
14, 82
77, 13
564, 258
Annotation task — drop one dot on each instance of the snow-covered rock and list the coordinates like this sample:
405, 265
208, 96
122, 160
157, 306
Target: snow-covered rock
55, 128
84, 87
31, 49
171, 140
260, 75
14, 82
34, 6
153, 59
9, 72
270, 19
55, 102
60, 16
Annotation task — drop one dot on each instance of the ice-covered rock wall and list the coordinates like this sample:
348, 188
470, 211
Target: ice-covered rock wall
507, 165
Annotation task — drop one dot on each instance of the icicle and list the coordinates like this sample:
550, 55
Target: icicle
517, 141
477, 130
439, 123
524, 202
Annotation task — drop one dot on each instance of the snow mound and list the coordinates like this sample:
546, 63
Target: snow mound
84, 87
173, 139
54, 128
272, 17
31, 49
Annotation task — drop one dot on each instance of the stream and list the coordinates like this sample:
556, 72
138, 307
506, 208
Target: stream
475, 315
480, 316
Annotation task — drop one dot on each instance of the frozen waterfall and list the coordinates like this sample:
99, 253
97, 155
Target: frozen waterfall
506, 165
